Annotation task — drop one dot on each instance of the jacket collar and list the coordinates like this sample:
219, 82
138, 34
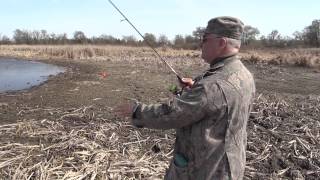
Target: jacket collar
218, 63
221, 61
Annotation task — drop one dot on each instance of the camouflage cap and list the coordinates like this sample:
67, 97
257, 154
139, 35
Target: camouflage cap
225, 26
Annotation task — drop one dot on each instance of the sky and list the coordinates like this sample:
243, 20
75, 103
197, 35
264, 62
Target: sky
167, 17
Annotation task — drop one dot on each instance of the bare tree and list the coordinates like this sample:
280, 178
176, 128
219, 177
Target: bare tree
53, 38
107, 39
22, 36
178, 41
249, 34
129, 40
79, 37
163, 40
5, 40
298, 36
62, 38
198, 33
44, 37
312, 33
150, 38
36, 35
191, 42
274, 35
18, 36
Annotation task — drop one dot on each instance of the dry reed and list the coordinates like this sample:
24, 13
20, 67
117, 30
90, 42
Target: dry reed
306, 57
79, 145
299, 57
283, 141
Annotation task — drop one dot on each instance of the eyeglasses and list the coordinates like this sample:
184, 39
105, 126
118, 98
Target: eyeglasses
205, 38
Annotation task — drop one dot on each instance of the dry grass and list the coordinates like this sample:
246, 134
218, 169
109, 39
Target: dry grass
299, 57
107, 52
283, 141
284, 138
81, 145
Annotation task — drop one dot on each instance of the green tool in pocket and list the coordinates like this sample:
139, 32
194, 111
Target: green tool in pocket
180, 160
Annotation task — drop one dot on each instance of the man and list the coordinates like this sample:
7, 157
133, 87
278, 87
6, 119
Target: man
210, 115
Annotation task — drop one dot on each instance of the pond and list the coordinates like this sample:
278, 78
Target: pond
19, 75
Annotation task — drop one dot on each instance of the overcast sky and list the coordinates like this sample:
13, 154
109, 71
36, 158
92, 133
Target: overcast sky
169, 17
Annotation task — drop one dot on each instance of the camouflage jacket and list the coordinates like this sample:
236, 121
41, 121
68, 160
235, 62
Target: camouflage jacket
210, 121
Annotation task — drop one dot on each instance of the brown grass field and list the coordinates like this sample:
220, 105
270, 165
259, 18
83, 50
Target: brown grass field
66, 128
299, 57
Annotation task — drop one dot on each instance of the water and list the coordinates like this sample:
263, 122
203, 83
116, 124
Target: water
19, 75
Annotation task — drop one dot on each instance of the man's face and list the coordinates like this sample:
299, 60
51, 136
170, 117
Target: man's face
212, 47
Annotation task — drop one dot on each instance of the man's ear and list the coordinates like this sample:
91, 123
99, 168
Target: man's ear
223, 42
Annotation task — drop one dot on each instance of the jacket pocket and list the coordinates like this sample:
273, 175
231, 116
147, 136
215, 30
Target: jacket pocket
177, 173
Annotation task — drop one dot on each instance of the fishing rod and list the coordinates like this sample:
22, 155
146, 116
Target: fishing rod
164, 61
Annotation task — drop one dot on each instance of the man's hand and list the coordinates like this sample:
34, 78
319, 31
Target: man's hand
186, 82
125, 110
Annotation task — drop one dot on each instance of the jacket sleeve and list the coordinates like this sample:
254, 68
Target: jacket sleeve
181, 111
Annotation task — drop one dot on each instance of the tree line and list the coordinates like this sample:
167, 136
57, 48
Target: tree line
38, 37
308, 37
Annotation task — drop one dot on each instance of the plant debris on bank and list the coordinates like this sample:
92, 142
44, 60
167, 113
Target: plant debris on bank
283, 142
